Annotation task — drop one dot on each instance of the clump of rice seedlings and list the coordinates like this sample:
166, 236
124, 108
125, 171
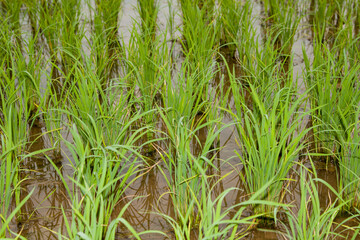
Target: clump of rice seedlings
270, 139
11, 15
71, 34
349, 175
328, 19
101, 177
106, 20
206, 6
14, 100
99, 115
247, 41
231, 14
51, 108
319, 19
283, 21
147, 59
263, 68
310, 221
332, 84
49, 21
104, 156
199, 30
217, 222
148, 11
356, 10
13, 137
185, 96
105, 45
185, 173
199, 44
29, 75
7, 49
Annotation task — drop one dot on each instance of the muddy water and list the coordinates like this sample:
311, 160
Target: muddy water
42, 215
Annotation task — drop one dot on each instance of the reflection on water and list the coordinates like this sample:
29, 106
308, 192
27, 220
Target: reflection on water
41, 216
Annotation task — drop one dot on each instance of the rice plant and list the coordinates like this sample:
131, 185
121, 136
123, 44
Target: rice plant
11, 15
349, 175
147, 59
72, 34
148, 11
105, 36
199, 36
310, 221
270, 140
13, 137
334, 95
283, 20
99, 181
231, 14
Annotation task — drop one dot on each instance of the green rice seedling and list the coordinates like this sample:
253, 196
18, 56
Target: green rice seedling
349, 175
231, 13
217, 222
11, 15
106, 20
186, 176
101, 177
147, 59
72, 33
206, 6
14, 109
310, 221
356, 10
214, 222
185, 171
199, 30
148, 11
323, 20
247, 42
99, 119
52, 115
49, 22
334, 95
318, 19
262, 69
283, 21
147, 56
29, 75
105, 161
13, 137
199, 44
184, 97
104, 41
32, 7
7, 49
270, 139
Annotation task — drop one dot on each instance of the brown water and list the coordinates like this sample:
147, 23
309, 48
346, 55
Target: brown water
42, 216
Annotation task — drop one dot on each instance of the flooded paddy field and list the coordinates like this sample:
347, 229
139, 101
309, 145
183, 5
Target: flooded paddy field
178, 119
